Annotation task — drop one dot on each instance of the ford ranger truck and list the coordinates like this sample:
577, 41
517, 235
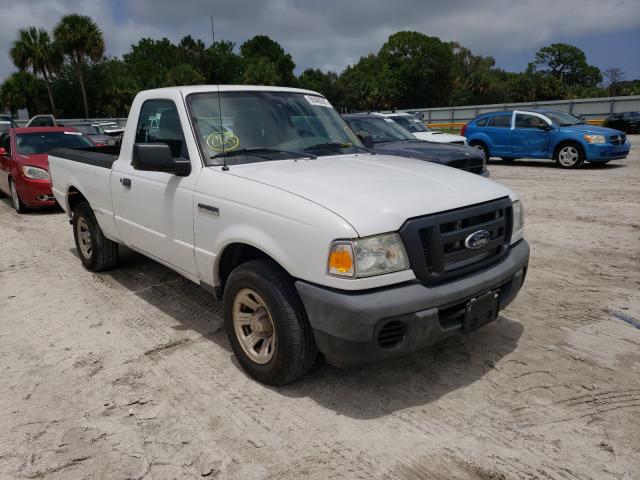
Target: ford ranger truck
265, 197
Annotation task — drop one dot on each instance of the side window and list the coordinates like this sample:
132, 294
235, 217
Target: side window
159, 123
500, 121
528, 121
482, 122
5, 142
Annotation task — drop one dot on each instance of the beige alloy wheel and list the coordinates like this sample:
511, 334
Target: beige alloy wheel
84, 237
254, 327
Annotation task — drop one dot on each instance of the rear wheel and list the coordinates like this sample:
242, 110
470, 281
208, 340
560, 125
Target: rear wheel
266, 323
569, 155
97, 252
15, 198
482, 147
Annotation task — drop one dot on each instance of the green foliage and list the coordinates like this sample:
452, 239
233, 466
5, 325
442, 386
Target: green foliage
24, 90
261, 49
566, 63
261, 71
78, 37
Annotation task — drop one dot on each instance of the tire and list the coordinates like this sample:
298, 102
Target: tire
508, 159
97, 252
290, 351
482, 147
15, 198
569, 155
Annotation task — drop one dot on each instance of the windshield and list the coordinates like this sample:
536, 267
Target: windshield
44, 142
88, 129
411, 123
381, 129
563, 119
261, 126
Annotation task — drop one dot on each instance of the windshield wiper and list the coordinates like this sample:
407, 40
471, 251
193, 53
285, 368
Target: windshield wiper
257, 151
329, 145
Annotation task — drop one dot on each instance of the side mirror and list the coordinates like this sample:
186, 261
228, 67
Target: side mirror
157, 157
545, 126
365, 138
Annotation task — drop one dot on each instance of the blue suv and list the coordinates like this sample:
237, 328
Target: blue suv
544, 134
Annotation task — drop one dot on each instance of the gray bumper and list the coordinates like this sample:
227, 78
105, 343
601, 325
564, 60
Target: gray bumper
347, 324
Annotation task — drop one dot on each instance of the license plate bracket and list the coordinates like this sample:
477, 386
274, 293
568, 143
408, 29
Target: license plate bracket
481, 310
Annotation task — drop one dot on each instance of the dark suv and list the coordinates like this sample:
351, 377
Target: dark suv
628, 122
390, 138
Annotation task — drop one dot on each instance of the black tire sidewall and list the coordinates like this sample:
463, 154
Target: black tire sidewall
286, 313
20, 208
485, 149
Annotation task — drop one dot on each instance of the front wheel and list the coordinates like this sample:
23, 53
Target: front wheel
96, 251
15, 198
483, 148
569, 156
266, 323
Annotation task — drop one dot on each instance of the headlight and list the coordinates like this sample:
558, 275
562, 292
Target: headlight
369, 256
35, 173
518, 221
599, 139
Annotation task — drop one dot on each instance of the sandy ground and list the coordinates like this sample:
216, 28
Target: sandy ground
128, 375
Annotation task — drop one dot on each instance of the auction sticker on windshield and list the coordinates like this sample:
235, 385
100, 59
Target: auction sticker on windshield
318, 101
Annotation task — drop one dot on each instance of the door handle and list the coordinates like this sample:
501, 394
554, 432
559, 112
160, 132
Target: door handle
126, 182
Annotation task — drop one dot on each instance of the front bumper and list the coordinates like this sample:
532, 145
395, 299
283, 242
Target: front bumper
347, 325
35, 193
606, 152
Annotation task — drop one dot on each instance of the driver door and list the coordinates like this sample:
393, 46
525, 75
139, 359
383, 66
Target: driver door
154, 210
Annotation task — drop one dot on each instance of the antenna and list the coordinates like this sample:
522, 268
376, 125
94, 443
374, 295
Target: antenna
225, 167
213, 33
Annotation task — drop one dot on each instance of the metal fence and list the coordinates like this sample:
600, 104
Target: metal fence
595, 110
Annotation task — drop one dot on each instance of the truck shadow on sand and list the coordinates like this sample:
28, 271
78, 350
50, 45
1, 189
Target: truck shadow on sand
367, 392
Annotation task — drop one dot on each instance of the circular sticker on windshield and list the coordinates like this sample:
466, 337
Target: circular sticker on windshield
218, 141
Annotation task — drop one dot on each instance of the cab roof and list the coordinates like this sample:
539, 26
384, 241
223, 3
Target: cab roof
186, 90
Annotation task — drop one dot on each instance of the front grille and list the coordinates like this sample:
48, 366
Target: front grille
618, 139
436, 243
391, 334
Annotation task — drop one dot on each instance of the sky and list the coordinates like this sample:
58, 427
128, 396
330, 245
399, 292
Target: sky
331, 34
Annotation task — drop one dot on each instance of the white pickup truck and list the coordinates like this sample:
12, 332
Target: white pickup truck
264, 196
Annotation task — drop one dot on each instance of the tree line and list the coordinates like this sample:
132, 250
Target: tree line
67, 73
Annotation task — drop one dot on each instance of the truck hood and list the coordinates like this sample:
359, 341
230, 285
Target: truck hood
374, 193
439, 137
592, 129
40, 160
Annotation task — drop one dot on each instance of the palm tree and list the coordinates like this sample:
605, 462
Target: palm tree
33, 49
80, 38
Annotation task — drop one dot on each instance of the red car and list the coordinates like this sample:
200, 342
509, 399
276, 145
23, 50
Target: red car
24, 164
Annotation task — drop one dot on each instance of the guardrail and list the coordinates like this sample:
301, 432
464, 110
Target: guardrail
454, 125
595, 110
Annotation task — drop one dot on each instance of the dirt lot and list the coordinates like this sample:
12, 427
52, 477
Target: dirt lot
128, 375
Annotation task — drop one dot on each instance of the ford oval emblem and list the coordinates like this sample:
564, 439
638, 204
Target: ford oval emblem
477, 240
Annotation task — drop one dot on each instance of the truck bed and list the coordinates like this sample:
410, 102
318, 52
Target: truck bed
85, 172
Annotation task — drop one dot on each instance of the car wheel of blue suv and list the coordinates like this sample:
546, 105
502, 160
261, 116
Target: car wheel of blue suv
569, 155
